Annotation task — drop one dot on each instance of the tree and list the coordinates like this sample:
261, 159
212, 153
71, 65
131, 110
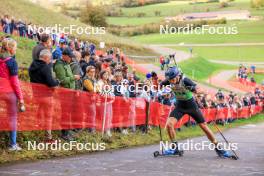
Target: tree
224, 4
257, 3
157, 13
93, 15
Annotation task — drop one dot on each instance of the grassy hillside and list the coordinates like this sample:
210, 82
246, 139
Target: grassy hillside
228, 53
24, 50
248, 31
201, 69
174, 8
29, 12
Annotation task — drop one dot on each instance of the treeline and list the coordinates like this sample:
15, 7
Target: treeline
137, 3
155, 27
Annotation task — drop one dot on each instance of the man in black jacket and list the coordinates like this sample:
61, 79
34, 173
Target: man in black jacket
40, 72
45, 43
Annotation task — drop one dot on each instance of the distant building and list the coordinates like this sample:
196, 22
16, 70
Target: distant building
228, 15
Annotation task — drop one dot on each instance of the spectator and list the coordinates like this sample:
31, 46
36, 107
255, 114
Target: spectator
105, 89
167, 62
89, 85
21, 26
64, 73
45, 43
12, 90
40, 72
92, 49
120, 89
12, 26
76, 68
57, 53
162, 62
84, 61
219, 95
89, 81
92, 60
7, 24
253, 69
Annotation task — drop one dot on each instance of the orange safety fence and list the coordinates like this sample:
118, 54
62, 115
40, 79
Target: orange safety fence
60, 108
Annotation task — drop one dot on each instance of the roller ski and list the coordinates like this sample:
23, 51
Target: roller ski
169, 152
222, 153
225, 154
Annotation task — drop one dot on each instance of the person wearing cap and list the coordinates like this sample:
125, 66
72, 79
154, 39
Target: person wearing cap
63, 70
57, 53
67, 79
45, 43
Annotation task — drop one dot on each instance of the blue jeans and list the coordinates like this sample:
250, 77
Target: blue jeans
11, 103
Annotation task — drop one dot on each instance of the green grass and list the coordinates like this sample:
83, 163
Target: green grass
24, 50
258, 77
248, 31
117, 141
201, 69
174, 8
229, 53
131, 21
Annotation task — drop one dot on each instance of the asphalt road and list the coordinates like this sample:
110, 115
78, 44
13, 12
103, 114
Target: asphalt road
140, 161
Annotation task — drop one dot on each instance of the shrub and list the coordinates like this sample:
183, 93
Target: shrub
141, 14
93, 15
137, 3
257, 3
157, 13
224, 4
155, 27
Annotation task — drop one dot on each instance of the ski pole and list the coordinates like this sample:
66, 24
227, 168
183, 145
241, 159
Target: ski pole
224, 138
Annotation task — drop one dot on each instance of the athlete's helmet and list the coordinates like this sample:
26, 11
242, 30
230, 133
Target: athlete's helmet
172, 72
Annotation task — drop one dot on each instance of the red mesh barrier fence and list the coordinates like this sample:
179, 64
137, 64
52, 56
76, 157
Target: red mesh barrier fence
61, 108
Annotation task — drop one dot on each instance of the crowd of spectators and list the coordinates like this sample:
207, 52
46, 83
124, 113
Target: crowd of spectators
18, 27
246, 75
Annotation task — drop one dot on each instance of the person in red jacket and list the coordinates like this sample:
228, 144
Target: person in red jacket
10, 90
162, 62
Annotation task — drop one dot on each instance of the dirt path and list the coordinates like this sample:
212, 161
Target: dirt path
221, 80
179, 55
140, 161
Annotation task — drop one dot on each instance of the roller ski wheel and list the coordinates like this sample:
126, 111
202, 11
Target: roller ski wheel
156, 154
181, 153
234, 157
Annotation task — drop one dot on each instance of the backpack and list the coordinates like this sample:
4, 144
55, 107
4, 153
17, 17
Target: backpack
4, 68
